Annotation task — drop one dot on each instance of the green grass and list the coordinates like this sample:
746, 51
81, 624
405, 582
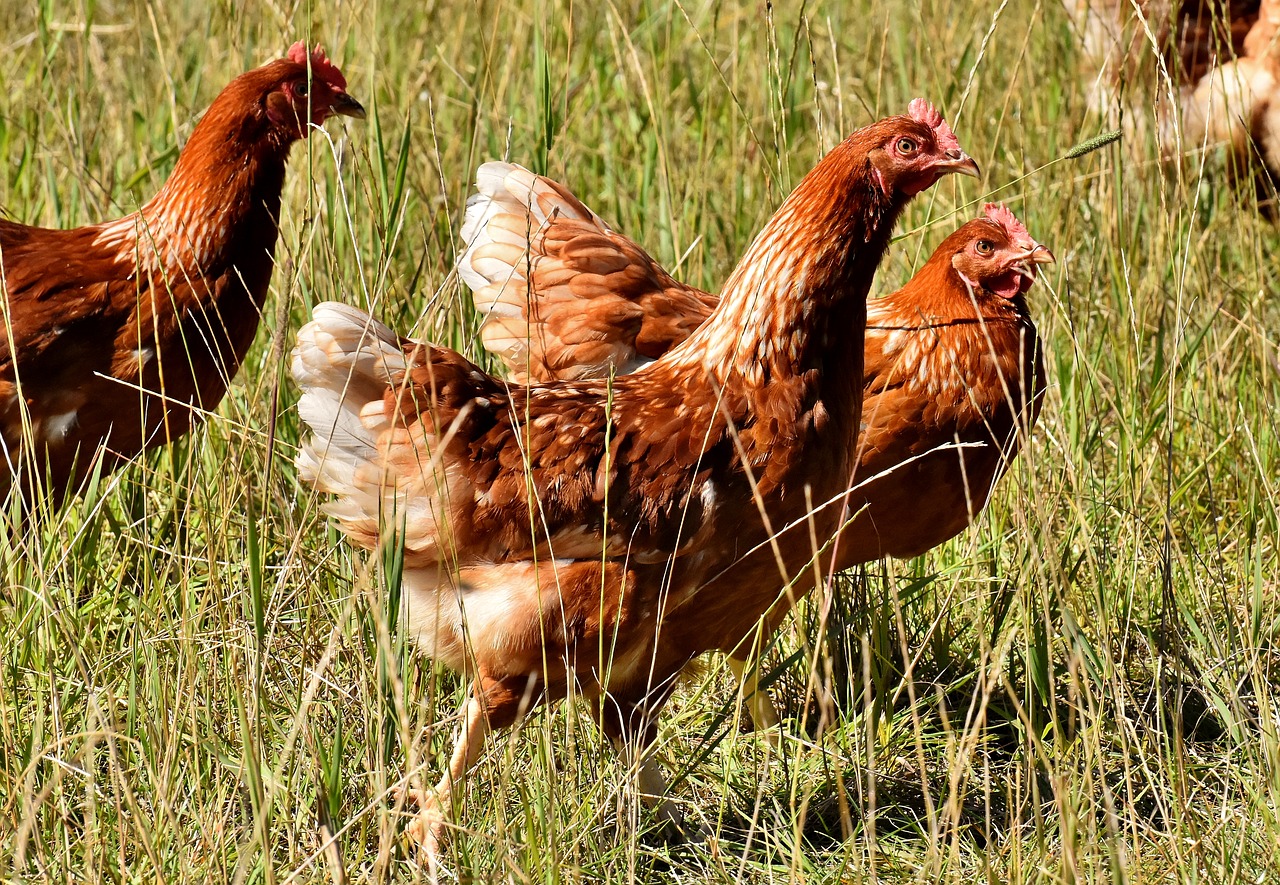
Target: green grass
196, 675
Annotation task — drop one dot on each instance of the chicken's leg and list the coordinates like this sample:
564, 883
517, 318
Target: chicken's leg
633, 730
650, 780
764, 715
435, 806
493, 703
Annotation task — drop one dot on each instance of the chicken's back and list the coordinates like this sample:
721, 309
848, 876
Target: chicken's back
59, 336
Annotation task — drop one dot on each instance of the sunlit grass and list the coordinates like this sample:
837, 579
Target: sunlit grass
199, 679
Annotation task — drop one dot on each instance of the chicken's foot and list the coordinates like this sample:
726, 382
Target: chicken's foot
764, 715
435, 806
632, 730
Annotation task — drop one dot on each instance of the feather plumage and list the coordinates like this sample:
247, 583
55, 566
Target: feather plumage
952, 383
623, 498
561, 295
939, 374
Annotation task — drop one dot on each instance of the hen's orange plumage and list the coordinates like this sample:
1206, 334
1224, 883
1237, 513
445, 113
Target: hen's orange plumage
562, 295
952, 385
952, 379
951, 358
574, 532
118, 336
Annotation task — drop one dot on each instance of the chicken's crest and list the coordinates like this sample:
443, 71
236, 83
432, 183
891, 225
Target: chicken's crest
922, 111
321, 67
1000, 214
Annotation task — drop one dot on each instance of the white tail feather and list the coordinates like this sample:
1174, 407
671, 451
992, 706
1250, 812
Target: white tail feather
344, 362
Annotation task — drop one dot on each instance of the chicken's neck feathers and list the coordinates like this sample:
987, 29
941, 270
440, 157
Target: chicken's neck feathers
798, 296
943, 342
228, 180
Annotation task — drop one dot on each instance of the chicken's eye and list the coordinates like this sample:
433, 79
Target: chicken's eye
906, 145
300, 89
985, 247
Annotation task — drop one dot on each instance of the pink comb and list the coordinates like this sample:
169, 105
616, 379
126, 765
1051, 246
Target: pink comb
922, 111
321, 67
1000, 214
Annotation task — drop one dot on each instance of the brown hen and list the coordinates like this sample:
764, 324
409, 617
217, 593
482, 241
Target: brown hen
952, 379
119, 336
567, 533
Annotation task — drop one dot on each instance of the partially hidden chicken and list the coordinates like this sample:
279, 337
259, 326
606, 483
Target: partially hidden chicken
1237, 101
119, 336
952, 379
573, 533
1222, 61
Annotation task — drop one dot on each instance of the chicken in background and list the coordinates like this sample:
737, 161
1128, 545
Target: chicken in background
119, 336
573, 534
1237, 103
953, 373
1223, 58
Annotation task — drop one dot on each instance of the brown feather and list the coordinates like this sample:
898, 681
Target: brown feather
944, 389
665, 459
632, 496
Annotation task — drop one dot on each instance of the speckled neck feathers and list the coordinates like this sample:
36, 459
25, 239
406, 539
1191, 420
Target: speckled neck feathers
231, 170
795, 301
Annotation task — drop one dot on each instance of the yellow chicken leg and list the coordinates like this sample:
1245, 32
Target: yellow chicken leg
435, 806
764, 715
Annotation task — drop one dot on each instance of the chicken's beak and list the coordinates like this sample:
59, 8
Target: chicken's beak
346, 106
958, 161
1025, 263
1041, 255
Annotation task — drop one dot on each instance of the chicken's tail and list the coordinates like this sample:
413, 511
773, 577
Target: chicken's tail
344, 362
505, 229
369, 444
558, 290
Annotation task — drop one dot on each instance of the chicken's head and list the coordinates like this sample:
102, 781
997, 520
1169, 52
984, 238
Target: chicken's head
995, 253
304, 89
914, 150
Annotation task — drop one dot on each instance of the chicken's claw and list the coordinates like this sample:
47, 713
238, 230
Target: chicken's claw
427, 831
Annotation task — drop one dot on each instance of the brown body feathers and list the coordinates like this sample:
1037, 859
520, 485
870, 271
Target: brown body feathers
949, 376
118, 336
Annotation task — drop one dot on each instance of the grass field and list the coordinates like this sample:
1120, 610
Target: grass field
198, 679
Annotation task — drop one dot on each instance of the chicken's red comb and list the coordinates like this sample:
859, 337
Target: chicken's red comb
321, 67
922, 111
1000, 214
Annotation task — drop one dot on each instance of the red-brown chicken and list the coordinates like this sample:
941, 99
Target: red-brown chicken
564, 296
574, 532
952, 379
119, 336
